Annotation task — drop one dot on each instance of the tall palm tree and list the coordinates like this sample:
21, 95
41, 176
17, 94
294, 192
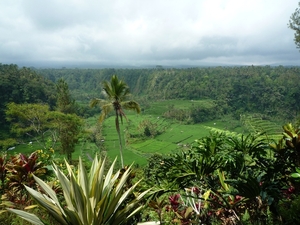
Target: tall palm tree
116, 91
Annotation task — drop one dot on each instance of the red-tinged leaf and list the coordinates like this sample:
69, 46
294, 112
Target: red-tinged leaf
23, 158
27, 167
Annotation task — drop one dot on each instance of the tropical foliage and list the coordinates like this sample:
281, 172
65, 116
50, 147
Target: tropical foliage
237, 179
90, 198
41, 124
65, 102
17, 172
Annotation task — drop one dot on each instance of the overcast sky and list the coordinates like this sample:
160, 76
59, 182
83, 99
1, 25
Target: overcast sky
140, 32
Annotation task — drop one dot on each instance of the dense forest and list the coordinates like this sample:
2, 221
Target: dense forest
23, 85
272, 91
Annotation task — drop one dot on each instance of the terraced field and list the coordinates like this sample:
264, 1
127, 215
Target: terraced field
174, 135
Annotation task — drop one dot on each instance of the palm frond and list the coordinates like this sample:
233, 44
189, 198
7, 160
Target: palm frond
116, 89
98, 102
108, 89
131, 105
105, 110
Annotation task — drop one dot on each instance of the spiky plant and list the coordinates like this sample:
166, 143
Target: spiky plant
93, 198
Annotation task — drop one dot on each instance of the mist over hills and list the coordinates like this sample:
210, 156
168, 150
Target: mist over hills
102, 65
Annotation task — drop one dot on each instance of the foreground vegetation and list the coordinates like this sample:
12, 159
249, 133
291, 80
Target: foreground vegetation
219, 179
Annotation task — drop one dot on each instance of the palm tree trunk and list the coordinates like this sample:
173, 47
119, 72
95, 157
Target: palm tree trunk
69, 157
120, 140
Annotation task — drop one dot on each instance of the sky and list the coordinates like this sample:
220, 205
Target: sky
147, 32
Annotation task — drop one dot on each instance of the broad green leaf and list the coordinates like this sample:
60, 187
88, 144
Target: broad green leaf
82, 178
47, 189
79, 200
47, 204
222, 180
65, 184
295, 175
27, 216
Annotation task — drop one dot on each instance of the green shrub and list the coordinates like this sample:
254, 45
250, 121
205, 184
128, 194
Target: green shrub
289, 210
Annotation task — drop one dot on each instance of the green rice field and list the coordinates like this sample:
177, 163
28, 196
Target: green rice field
136, 148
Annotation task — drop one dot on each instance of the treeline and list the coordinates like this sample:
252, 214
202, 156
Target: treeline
272, 91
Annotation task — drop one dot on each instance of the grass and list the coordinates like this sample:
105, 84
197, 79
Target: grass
25, 148
136, 149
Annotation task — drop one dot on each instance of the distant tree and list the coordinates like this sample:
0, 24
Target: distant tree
33, 120
294, 24
65, 103
68, 124
116, 91
39, 123
68, 128
150, 129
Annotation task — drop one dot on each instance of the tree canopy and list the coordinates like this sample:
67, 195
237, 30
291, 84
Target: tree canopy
294, 24
33, 120
272, 91
65, 102
23, 85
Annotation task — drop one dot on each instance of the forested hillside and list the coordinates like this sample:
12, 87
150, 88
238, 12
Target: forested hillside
272, 91
23, 85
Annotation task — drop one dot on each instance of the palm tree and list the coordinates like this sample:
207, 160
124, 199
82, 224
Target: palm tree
116, 91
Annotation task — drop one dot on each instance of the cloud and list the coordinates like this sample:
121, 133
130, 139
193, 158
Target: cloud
130, 31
